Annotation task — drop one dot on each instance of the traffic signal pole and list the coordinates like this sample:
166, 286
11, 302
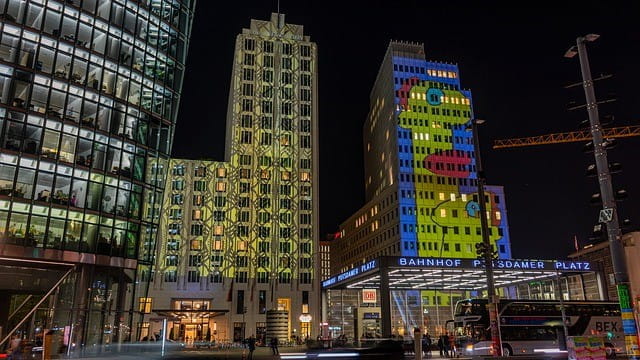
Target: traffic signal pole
488, 252
609, 211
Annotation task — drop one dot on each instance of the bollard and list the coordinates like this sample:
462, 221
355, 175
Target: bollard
417, 343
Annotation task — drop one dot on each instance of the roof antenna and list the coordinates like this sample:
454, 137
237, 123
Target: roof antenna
278, 6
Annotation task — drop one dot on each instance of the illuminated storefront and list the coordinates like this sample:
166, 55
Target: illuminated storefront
403, 278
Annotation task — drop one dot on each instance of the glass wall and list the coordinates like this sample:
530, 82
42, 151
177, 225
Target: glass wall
88, 97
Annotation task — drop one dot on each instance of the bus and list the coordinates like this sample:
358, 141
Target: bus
535, 326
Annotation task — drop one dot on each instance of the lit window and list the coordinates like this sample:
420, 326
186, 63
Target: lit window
443, 212
441, 196
196, 214
145, 305
305, 176
196, 245
286, 175
221, 186
218, 230
265, 174
498, 215
453, 197
217, 245
464, 197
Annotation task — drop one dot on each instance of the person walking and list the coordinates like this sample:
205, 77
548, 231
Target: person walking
426, 345
445, 344
274, 346
452, 345
251, 344
441, 346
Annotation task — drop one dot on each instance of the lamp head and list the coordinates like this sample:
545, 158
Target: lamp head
591, 37
573, 51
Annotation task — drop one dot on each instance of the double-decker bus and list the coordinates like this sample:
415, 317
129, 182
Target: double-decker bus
535, 326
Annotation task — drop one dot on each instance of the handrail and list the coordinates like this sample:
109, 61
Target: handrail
19, 307
37, 305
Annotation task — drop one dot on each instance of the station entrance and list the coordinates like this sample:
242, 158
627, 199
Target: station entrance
390, 296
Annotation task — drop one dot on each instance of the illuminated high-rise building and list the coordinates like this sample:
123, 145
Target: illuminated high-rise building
250, 246
420, 175
88, 104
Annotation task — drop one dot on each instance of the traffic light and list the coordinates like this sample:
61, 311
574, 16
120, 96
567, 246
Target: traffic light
482, 250
599, 232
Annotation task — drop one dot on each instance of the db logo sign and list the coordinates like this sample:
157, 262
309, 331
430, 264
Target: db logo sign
368, 296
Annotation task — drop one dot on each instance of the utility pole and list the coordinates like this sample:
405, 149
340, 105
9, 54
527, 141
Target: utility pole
609, 213
486, 245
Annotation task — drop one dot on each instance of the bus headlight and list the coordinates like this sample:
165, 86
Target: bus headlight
469, 348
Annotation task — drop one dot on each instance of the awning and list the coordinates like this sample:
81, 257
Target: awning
416, 273
179, 315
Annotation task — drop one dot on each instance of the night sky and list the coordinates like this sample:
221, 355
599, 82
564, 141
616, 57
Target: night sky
510, 57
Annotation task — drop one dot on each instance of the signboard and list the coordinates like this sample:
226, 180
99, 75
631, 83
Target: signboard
371, 315
606, 215
586, 348
369, 296
305, 318
508, 264
371, 265
455, 263
628, 321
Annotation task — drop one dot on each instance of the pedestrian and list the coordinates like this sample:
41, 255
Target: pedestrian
15, 348
452, 345
274, 346
445, 344
251, 343
426, 345
441, 346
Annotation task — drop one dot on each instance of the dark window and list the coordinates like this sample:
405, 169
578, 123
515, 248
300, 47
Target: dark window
240, 302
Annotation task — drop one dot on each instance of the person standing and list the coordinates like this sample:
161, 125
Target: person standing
452, 345
15, 348
445, 344
251, 343
274, 346
441, 346
426, 345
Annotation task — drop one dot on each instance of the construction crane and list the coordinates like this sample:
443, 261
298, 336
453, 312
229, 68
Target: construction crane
567, 137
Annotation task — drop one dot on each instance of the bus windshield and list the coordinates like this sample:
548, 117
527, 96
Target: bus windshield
471, 307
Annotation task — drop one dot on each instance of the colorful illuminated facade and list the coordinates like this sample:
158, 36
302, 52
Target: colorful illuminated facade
420, 175
256, 229
90, 92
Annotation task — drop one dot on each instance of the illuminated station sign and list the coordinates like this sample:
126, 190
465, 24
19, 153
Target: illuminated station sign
497, 264
543, 266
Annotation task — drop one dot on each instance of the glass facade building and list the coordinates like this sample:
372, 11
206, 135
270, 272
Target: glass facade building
89, 93
246, 242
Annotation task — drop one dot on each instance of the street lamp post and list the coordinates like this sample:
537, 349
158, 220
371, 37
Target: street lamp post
609, 213
488, 253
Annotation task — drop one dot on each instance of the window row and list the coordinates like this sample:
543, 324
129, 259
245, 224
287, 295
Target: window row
24, 90
70, 234
69, 191
440, 180
268, 47
194, 276
72, 26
